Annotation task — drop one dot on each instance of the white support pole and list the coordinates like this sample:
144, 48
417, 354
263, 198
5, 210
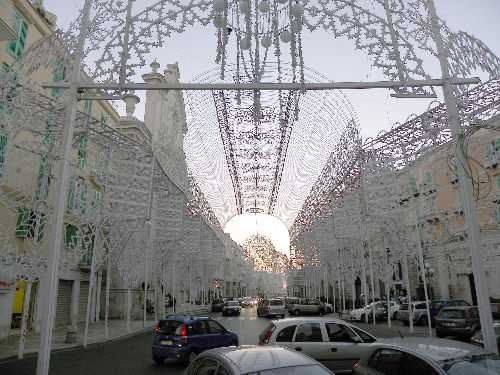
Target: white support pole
108, 286
50, 286
24, 322
469, 204
128, 308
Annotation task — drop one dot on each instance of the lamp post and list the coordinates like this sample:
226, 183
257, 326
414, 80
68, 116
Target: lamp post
429, 271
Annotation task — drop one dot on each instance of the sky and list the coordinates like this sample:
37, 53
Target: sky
336, 59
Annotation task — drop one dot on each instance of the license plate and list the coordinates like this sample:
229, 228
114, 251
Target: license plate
166, 342
450, 324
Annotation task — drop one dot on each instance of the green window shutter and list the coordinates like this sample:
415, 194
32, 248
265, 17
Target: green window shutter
88, 107
22, 225
70, 237
96, 200
498, 182
3, 146
43, 180
446, 227
41, 229
496, 214
83, 199
20, 26
104, 118
72, 190
59, 75
82, 153
428, 177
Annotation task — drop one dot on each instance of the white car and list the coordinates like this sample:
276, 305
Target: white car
380, 306
249, 359
332, 342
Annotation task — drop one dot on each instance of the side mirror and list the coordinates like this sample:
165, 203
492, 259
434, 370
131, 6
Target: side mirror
356, 339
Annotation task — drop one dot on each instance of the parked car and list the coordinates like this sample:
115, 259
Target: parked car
300, 306
477, 339
218, 304
419, 313
328, 307
247, 302
271, 307
249, 359
380, 307
231, 308
495, 310
436, 305
458, 321
333, 342
426, 356
184, 337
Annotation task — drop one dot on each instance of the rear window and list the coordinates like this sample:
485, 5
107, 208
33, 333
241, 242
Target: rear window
451, 314
263, 334
421, 306
275, 302
168, 327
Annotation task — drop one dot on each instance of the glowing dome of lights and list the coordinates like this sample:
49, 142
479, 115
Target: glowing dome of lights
261, 251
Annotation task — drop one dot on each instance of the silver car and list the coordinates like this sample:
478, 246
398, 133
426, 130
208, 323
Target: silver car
426, 356
333, 342
249, 359
271, 307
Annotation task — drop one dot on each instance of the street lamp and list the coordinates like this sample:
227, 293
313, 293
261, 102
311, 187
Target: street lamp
429, 271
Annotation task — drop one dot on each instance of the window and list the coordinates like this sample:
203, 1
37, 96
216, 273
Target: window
496, 214
339, 333
26, 226
286, 334
82, 153
96, 200
386, 361
309, 332
364, 336
88, 107
214, 327
70, 236
10, 87
87, 248
104, 118
417, 210
432, 205
77, 201
3, 146
446, 227
42, 189
59, 75
20, 27
428, 177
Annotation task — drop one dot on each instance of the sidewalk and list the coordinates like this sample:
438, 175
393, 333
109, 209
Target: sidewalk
9, 348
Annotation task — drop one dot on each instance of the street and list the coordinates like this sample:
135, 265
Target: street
132, 355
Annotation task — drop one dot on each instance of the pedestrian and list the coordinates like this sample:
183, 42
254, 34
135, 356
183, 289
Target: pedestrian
167, 302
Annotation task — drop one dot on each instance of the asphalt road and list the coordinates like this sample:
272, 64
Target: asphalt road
132, 355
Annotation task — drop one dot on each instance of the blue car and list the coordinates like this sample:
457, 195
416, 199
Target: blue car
184, 337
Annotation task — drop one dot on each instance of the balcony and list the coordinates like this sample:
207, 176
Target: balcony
453, 178
6, 12
427, 188
491, 161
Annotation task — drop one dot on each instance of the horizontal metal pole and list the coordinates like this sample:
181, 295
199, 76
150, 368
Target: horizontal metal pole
262, 86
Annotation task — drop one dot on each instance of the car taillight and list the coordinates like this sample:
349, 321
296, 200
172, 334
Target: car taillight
184, 338
268, 336
355, 367
466, 316
157, 329
269, 306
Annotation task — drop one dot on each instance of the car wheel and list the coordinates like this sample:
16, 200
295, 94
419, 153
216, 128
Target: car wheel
363, 318
158, 359
190, 357
296, 312
328, 310
321, 312
239, 313
395, 316
423, 320
406, 322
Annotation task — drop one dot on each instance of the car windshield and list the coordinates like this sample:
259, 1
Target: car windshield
483, 364
296, 370
232, 303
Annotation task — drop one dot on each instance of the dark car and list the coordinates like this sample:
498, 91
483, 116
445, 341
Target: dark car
477, 339
436, 305
231, 308
184, 337
218, 304
458, 321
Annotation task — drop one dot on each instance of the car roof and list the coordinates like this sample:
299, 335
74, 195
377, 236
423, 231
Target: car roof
459, 307
313, 319
436, 349
185, 318
252, 358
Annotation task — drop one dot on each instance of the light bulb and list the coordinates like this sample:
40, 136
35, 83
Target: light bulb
219, 5
264, 6
297, 10
266, 41
286, 36
243, 7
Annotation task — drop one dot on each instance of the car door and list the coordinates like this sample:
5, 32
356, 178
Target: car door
215, 336
310, 339
344, 346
